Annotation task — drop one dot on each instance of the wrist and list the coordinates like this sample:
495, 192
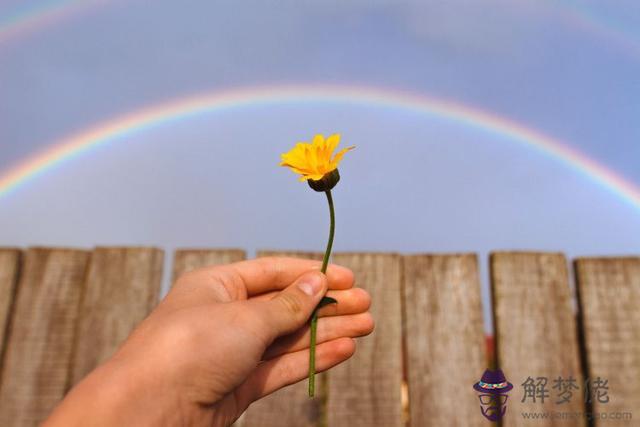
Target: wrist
124, 392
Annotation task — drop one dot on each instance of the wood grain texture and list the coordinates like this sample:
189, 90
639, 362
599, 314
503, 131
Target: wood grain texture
122, 287
535, 329
185, 260
9, 270
366, 390
609, 293
444, 338
36, 370
290, 406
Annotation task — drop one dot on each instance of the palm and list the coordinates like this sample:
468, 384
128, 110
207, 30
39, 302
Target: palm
256, 361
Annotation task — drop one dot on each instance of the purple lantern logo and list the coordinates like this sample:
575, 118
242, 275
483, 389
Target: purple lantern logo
492, 391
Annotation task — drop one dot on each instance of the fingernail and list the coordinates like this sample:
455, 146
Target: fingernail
311, 284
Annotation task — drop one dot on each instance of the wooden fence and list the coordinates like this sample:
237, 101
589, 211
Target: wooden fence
63, 311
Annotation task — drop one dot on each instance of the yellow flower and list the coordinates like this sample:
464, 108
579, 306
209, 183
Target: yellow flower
314, 160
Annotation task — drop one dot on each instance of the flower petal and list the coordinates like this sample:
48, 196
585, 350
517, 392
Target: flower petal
312, 161
332, 143
318, 140
338, 157
295, 156
301, 171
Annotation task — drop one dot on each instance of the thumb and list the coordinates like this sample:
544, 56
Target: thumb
291, 308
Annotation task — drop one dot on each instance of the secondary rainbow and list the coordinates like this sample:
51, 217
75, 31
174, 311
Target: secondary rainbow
583, 18
207, 103
45, 14
35, 17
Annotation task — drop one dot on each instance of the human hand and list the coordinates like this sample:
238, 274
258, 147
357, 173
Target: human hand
222, 338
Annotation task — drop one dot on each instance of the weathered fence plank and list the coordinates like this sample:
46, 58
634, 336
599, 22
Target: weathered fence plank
291, 405
56, 335
185, 260
535, 329
366, 390
9, 269
122, 287
444, 338
609, 295
36, 369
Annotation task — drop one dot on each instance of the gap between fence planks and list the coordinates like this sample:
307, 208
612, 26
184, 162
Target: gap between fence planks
122, 287
609, 296
381, 275
290, 406
36, 369
366, 390
535, 329
444, 335
9, 269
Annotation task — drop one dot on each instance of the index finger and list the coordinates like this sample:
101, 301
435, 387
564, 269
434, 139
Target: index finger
267, 274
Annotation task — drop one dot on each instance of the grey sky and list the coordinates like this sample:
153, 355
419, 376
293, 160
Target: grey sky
414, 184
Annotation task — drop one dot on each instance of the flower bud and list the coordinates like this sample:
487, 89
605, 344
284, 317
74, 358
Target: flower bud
327, 182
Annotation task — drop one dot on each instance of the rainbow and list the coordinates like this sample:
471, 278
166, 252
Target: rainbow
184, 108
38, 16
42, 15
582, 18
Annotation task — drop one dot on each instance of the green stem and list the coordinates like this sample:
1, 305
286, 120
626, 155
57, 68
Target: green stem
332, 232
314, 316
